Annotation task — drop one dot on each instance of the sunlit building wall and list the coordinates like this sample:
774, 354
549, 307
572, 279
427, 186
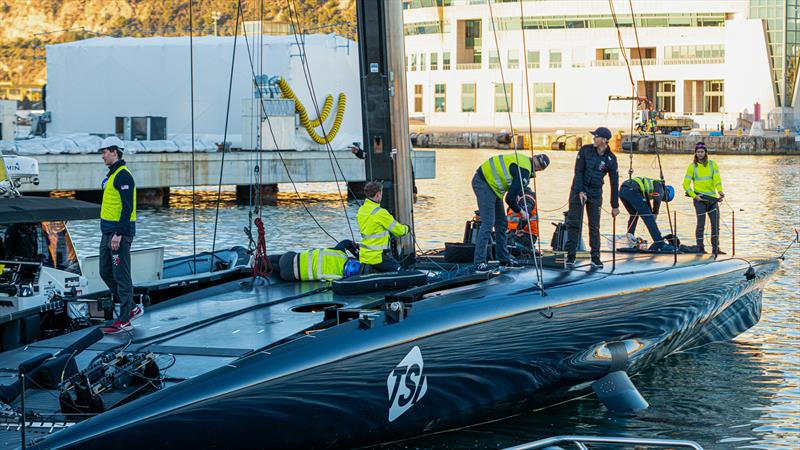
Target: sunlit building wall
709, 60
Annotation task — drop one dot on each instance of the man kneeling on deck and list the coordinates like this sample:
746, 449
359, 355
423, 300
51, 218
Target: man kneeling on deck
636, 195
376, 224
320, 263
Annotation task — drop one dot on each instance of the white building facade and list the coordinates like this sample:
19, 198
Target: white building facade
708, 60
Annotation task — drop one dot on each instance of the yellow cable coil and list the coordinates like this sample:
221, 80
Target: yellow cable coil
309, 125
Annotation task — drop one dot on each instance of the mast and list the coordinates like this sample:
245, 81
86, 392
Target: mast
384, 107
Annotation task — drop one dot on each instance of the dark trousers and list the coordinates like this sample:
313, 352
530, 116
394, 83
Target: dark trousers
493, 214
387, 264
115, 270
711, 208
634, 202
575, 224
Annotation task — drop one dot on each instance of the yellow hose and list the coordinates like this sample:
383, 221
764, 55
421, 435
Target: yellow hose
309, 125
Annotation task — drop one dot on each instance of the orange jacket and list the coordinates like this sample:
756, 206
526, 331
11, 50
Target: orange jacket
532, 227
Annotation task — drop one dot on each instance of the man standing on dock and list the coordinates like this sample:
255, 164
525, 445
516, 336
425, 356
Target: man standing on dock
118, 225
593, 163
376, 224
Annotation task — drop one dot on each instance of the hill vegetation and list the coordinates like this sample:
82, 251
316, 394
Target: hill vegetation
30, 25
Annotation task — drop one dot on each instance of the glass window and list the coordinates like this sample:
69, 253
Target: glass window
533, 59
503, 97
555, 59
494, 59
440, 98
413, 62
434, 61
422, 61
468, 97
609, 54
713, 96
445, 60
665, 96
544, 95
417, 98
513, 59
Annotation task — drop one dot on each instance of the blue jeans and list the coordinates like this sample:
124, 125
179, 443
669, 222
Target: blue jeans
492, 212
634, 202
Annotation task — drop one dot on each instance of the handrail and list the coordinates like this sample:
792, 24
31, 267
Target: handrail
579, 441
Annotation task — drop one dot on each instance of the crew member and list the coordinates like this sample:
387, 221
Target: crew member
636, 195
703, 184
376, 224
594, 162
320, 263
501, 175
118, 225
524, 233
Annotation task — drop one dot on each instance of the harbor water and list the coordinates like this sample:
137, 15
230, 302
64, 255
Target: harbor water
739, 394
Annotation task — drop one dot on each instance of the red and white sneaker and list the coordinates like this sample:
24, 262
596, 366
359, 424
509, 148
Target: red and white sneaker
117, 327
136, 312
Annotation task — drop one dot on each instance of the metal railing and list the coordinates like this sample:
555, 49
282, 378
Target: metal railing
533, 65
581, 441
655, 62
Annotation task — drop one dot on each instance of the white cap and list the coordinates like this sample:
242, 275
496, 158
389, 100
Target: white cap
112, 141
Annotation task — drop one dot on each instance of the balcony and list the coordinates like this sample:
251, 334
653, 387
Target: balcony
468, 66
533, 65
655, 62
674, 61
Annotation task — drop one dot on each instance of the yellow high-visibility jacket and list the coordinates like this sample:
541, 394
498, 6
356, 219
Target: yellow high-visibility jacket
375, 224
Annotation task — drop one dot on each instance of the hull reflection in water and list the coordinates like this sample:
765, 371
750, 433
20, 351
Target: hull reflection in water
254, 373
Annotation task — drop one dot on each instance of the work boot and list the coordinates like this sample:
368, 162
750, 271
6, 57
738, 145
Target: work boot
482, 268
510, 265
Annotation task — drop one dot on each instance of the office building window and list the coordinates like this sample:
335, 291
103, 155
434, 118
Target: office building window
440, 98
445, 60
544, 95
665, 96
421, 61
417, 98
413, 62
494, 60
555, 59
513, 59
434, 61
607, 54
503, 97
468, 97
713, 96
533, 59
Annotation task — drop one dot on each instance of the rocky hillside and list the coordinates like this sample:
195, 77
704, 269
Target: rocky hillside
27, 25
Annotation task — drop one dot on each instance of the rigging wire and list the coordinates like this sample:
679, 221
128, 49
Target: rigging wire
191, 102
624, 54
274, 139
539, 274
225, 134
295, 18
538, 245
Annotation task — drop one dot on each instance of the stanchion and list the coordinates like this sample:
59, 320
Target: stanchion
675, 237
733, 232
613, 243
22, 407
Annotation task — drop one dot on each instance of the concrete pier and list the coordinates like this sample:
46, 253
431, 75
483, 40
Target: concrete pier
164, 170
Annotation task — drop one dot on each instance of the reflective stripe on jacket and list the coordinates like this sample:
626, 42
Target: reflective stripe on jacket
111, 208
376, 224
645, 185
702, 179
497, 171
319, 264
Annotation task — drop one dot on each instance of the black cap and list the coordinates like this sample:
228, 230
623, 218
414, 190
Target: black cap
602, 132
543, 160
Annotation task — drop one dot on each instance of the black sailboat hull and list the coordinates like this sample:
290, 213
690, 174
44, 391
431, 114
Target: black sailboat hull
478, 353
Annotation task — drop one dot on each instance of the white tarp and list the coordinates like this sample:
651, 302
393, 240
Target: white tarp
85, 143
91, 82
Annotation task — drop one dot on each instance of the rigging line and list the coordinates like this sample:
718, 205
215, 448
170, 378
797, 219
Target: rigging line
310, 84
638, 46
620, 41
539, 276
538, 243
191, 101
225, 133
261, 138
275, 141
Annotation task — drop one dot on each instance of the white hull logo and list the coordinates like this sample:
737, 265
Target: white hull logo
406, 384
